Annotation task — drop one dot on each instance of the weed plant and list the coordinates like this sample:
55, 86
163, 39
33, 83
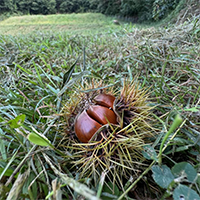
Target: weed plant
32, 69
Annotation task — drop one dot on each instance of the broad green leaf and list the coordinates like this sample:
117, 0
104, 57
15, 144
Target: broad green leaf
149, 153
162, 175
17, 121
186, 169
186, 193
38, 139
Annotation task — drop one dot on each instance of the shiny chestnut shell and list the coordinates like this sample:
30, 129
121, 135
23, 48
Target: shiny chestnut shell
90, 120
85, 127
102, 114
106, 100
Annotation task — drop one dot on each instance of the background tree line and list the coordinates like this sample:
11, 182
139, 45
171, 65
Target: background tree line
140, 10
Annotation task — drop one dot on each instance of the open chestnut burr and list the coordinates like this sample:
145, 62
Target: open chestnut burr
106, 129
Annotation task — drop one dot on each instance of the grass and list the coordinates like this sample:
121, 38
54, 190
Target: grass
86, 23
34, 61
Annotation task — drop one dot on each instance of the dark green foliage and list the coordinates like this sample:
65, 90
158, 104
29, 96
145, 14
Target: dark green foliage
29, 6
109, 7
138, 10
163, 7
24, 6
37, 6
7, 5
70, 6
43, 7
136, 7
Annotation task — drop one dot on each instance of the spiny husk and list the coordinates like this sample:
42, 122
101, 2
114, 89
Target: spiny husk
114, 148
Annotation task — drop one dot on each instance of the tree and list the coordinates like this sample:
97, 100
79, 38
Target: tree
36, 6
69, 6
7, 6
163, 7
43, 7
24, 6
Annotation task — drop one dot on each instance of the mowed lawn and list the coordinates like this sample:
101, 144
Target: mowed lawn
82, 23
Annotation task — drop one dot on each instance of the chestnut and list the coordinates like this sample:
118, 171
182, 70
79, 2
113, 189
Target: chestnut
85, 127
90, 120
106, 100
102, 114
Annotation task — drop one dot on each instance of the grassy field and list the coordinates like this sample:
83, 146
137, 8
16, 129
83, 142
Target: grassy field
87, 23
49, 65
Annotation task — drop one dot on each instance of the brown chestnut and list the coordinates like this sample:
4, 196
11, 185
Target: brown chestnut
85, 127
106, 100
90, 120
102, 114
